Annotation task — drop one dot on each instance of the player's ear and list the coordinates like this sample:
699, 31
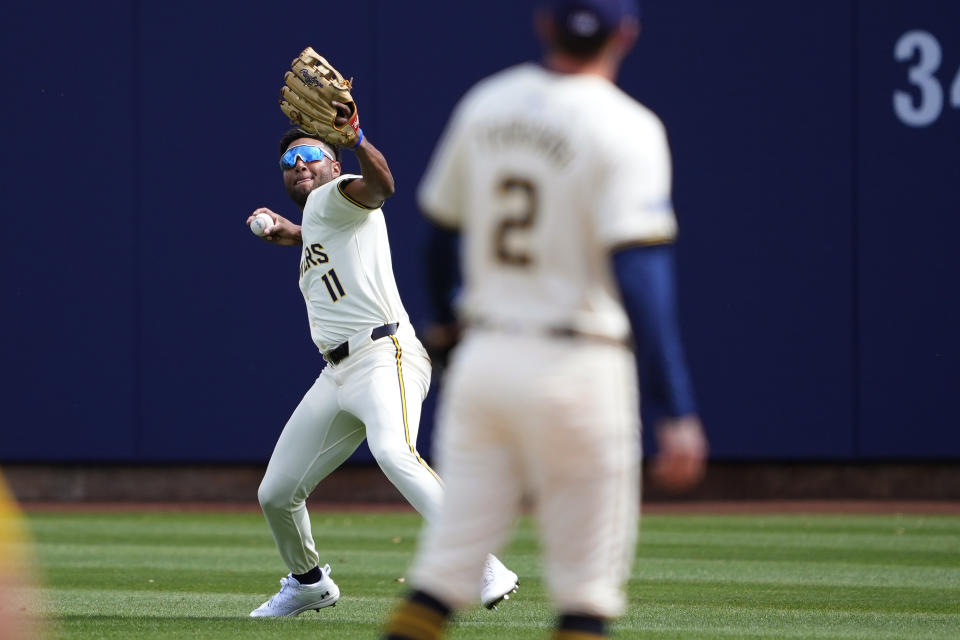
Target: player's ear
626, 35
544, 27
335, 168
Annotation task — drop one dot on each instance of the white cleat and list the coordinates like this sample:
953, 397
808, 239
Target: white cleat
498, 583
294, 598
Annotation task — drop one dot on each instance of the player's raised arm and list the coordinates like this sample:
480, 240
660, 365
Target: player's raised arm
317, 100
377, 184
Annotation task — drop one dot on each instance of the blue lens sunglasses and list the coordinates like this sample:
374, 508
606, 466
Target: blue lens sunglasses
306, 152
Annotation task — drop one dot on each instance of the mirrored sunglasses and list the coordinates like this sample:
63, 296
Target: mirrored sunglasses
306, 152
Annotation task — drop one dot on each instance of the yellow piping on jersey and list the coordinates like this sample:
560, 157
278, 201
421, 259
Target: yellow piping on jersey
648, 242
403, 402
343, 192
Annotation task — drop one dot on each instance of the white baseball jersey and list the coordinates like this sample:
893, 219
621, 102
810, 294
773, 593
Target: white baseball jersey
346, 273
535, 254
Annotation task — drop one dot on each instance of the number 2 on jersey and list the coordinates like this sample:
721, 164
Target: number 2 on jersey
519, 198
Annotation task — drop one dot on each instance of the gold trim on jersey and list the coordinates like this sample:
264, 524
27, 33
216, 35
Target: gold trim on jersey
343, 192
645, 242
403, 402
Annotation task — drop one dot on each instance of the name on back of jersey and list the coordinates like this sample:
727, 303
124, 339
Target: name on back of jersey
538, 137
312, 256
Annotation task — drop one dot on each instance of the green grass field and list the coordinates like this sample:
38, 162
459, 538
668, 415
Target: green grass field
197, 575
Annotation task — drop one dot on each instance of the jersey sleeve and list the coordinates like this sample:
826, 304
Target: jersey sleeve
634, 204
442, 190
646, 279
332, 202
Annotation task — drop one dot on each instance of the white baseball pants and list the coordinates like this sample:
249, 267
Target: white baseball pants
375, 393
554, 420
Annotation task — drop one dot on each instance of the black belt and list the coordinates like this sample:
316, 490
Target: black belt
555, 332
341, 351
570, 332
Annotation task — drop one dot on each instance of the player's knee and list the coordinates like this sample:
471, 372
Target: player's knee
389, 459
273, 497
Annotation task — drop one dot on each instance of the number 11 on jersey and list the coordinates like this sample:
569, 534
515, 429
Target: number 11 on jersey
331, 280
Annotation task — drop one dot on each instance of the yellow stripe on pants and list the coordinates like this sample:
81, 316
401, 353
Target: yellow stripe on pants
403, 402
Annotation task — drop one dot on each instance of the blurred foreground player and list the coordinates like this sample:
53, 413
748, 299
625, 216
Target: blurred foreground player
560, 185
18, 615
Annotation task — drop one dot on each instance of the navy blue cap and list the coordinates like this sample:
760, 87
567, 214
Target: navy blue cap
589, 19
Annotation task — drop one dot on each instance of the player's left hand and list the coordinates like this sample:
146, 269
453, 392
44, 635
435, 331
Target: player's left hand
681, 458
343, 113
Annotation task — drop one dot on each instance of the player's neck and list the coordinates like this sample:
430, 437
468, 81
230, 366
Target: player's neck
599, 66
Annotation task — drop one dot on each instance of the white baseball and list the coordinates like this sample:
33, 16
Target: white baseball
261, 224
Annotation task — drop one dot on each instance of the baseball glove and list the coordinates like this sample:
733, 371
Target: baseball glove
309, 88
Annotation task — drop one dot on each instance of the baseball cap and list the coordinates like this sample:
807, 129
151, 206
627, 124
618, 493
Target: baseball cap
590, 19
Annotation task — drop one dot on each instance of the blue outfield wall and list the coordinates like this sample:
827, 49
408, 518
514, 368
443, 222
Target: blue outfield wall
816, 172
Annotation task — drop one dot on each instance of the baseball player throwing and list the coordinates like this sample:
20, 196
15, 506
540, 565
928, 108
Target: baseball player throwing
377, 372
560, 185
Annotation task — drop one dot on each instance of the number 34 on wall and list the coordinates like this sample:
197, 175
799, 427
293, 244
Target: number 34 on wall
924, 48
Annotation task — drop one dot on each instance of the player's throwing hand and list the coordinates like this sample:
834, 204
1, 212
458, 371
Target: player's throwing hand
282, 232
